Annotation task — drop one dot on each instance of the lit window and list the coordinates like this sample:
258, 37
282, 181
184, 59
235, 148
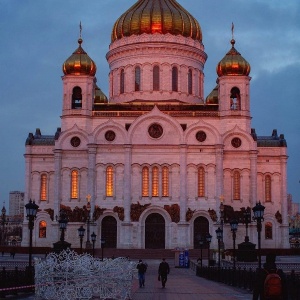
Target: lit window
137, 79
122, 82
145, 182
42, 229
201, 182
43, 191
268, 197
268, 231
190, 82
174, 79
109, 181
165, 182
74, 184
155, 182
156, 78
76, 98
236, 185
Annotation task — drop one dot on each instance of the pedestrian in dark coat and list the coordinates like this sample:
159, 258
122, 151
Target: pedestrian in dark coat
163, 272
142, 268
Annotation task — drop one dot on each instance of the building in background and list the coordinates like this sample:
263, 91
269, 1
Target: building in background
154, 163
16, 203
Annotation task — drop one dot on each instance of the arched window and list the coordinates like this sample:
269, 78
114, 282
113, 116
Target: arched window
155, 175
268, 230
109, 181
236, 186
76, 98
174, 79
43, 190
145, 182
268, 195
165, 181
74, 184
235, 99
137, 86
201, 182
190, 82
156, 78
42, 229
122, 82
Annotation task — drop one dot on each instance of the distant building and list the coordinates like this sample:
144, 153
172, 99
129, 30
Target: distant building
16, 203
156, 160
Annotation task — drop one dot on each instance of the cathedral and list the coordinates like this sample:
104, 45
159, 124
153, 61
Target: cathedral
156, 164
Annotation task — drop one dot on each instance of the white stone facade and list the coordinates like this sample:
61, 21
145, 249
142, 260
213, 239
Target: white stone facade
181, 115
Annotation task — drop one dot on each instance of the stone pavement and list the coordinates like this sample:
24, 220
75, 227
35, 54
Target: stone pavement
182, 284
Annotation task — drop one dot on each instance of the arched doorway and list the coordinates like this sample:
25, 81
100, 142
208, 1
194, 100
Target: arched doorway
155, 232
109, 232
201, 228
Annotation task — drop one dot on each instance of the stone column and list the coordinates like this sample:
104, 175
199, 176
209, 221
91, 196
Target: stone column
57, 181
219, 178
92, 150
253, 178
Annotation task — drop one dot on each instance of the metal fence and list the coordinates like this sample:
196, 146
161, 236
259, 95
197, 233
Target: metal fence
245, 278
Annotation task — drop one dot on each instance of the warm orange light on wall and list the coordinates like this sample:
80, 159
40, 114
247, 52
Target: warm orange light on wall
109, 182
156, 27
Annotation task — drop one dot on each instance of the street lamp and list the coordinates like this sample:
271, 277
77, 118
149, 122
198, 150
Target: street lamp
222, 220
63, 221
31, 211
102, 247
88, 244
258, 211
234, 225
219, 233
93, 237
247, 220
201, 242
208, 240
4, 221
81, 231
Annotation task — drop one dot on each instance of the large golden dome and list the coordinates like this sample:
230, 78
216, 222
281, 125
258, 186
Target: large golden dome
233, 63
156, 16
79, 63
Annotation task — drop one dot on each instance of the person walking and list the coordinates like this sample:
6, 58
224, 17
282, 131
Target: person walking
163, 272
270, 282
142, 268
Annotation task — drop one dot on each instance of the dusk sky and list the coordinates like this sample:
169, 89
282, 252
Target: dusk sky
38, 36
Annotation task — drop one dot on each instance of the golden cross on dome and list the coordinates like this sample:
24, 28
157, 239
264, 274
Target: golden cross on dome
80, 29
232, 30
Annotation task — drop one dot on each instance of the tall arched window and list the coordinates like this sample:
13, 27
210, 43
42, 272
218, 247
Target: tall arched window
155, 175
201, 182
76, 98
137, 74
156, 78
268, 230
42, 230
236, 186
122, 82
174, 79
43, 190
190, 82
109, 181
74, 184
235, 99
268, 195
145, 182
165, 181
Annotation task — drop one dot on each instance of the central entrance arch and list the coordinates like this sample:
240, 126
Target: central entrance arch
109, 231
201, 228
155, 232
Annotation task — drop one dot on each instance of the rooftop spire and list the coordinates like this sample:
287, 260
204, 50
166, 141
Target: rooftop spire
80, 30
232, 30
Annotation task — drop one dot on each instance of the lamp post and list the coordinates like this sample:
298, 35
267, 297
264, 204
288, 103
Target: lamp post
31, 211
222, 220
93, 237
88, 222
208, 240
102, 247
247, 220
63, 221
81, 231
4, 221
234, 226
258, 212
219, 233
201, 242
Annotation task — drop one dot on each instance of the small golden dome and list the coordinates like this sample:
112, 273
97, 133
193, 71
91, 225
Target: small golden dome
79, 63
233, 63
213, 97
99, 96
156, 16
